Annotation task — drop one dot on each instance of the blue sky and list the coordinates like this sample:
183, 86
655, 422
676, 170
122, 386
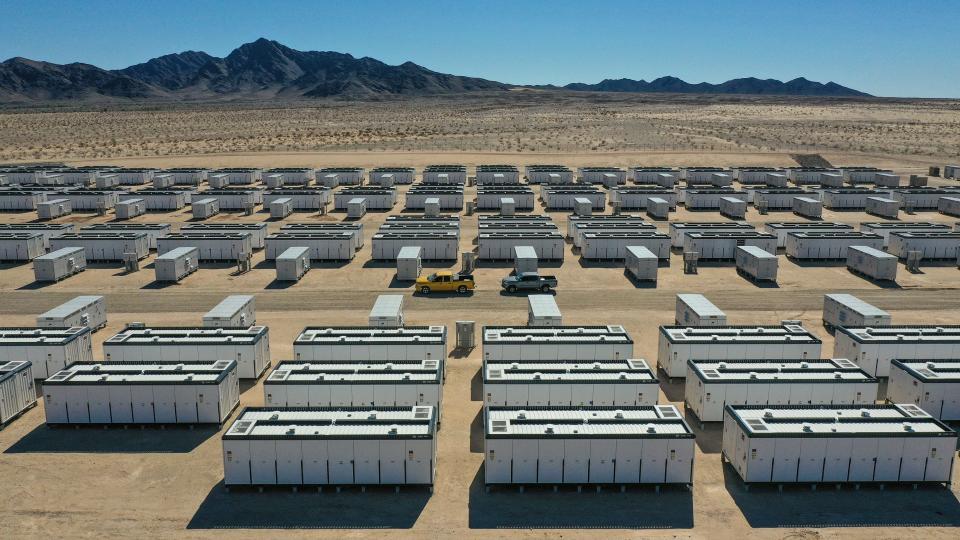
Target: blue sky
884, 47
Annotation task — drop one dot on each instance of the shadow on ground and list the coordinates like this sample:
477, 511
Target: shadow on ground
541, 508
377, 508
112, 440
799, 506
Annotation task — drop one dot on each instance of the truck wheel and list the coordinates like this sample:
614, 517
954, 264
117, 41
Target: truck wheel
424, 290
545, 288
462, 289
512, 289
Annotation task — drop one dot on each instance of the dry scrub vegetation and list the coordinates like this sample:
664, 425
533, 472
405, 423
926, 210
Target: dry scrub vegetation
519, 122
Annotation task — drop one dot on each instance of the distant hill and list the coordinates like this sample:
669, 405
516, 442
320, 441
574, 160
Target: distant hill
265, 69
749, 85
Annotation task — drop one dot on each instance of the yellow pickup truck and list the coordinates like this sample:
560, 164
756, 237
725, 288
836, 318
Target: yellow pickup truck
445, 282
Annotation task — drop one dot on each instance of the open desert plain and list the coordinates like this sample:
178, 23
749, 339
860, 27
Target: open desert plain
160, 483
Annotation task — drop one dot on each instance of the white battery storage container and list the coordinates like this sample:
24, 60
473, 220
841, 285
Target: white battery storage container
336, 226
162, 181
679, 229
681, 343
153, 230
640, 263
658, 208
158, 392
205, 208
21, 246
613, 245
258, 231
722, 245
837, 444
883, 207
932, 385
130, 208
713, 384
302, 199
711, 199
89, 311
886, 228
872, 348
733, 207
848, 310
21, 200
808, 207
387, 311
399, 383
588, 445
293, 263
48, 230
945, 205
562, 383
356, 207
369, 343
696, 310
48, 349
59, 264
176, 264
54, 209
582, 343
524, 259
212, 245
500, 245
542, 310
376, 198
250, 347
281, 208
756, 263
409, 264
17, 392
105, 245
872, 262
433, 245
932, 245
782, 229
828, 245
331, 446
323, 245
235, 311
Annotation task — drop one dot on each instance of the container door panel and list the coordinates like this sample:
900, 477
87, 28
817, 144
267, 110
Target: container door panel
340, 395
341, 462
392, 462
550, 466
517, 395
186, 396
759, 459
164, 401
385, 395
836, 467
499, 461
940, 459
77, 409
298, 395
98, 398
55, 404
525, 455
653, 468
628, 394
142, 398
263, 462
236, 462
318, 395
560, 394
889, 454
627, 466
539, 394
289, 467
314, 459
366, 462
581, 394
362, 395
576, 461
864, 459
121, 410
680, 461
785, 459
914, 460
812, 460
208, 405
419, 462
603, 456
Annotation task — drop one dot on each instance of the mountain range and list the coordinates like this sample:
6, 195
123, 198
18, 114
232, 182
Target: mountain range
265, 69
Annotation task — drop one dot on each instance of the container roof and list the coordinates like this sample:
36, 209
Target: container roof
660, 421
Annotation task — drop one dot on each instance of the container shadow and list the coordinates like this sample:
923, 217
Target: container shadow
400, 283
265, 265
377, 508
709, 435
278, 285
673, 389
541, 508
476, 433
112, 440
37, 285
460, 352
799, 506
883, 284
476, 386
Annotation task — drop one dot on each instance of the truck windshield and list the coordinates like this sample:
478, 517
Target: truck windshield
432, 277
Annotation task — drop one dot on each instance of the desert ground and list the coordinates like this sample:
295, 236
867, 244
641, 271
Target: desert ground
168, 483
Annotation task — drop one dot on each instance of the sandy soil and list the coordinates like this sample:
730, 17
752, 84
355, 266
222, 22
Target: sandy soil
166, 483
